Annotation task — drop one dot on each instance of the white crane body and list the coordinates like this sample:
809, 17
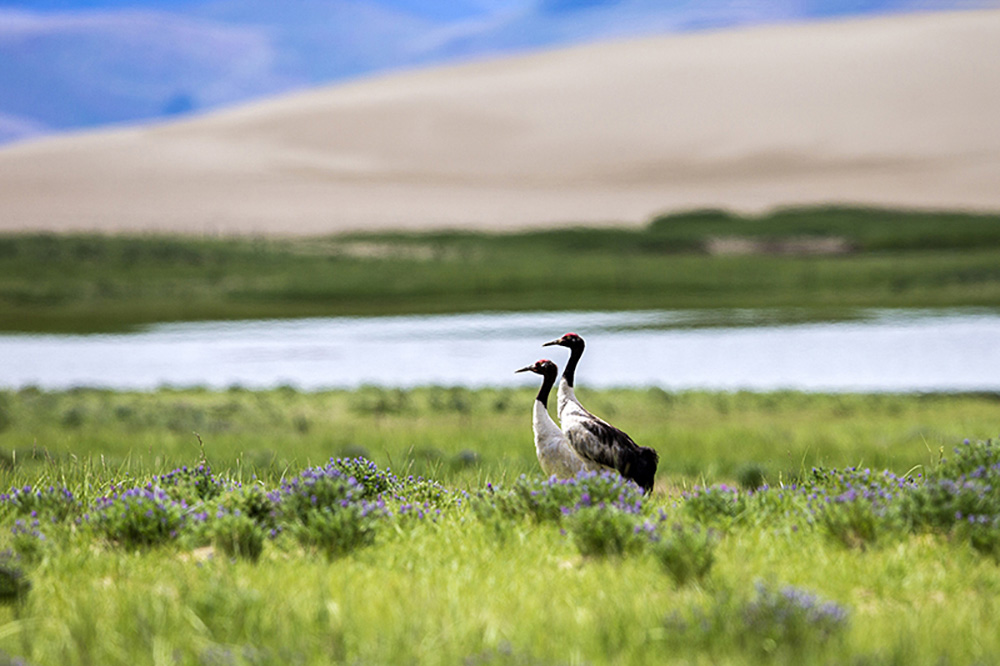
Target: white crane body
553, 449
555, 455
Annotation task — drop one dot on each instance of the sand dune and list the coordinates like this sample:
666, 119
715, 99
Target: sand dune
896, 111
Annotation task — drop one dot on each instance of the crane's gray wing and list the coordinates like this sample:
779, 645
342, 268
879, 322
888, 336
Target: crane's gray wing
600, 442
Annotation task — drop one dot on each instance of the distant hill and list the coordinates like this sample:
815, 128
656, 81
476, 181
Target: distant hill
898, 111
69, 64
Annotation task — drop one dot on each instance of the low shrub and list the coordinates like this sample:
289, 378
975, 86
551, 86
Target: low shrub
751, 476
49, 503
943, 503
715, 504
323, 509
379, 401
856, 521
686, 552
139, 516
552, 499
857, 507
790, 617
602, 531
418, 490
974, 459
372, 481
772, 621
960, 488
14, 585
237, 535
28, 541
190, 484
983, 534
253, 502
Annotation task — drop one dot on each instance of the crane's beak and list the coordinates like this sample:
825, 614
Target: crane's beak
552, 342
527, 368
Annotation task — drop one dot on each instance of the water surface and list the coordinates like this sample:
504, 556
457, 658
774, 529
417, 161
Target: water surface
882, 350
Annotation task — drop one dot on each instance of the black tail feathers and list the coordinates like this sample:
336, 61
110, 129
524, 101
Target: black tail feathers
640, 467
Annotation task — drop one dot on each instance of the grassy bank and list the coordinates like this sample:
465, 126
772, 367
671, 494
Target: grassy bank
115, 556
466, 438
877, 259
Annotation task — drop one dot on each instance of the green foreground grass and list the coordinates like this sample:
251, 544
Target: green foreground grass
83, 283
460, 586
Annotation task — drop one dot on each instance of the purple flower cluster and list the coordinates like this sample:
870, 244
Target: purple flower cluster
651, 528
139, 516
322, 485
556, 498
772, 621
194, 483
856, 506
851, 486
978, 459
791, 615
321, 505
329, 488
419, 511
962, 486
26, 529
323, 508
941, 503
51, 503
715, 503
371, 480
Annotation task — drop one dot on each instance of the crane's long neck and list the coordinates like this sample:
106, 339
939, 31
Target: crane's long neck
548, 381
567, 396
569, 372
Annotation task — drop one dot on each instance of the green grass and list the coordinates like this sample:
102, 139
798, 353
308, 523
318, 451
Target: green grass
466, 438
897, 259
460, 588
450, 593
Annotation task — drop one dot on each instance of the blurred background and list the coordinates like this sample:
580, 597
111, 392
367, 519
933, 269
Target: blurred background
382, 173
212, 211
71, 64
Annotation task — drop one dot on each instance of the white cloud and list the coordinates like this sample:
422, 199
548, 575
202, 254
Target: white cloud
15, 128
143, 53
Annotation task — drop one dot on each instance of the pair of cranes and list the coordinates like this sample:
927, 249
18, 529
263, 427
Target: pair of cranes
584, 442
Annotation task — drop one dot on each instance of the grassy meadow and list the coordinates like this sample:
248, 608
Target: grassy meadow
465, 438
120, 548
380, 526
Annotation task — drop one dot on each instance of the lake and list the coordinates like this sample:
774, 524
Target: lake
880, 350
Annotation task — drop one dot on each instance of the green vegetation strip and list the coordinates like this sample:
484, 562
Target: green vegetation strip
826, 260
785, 528
466, 438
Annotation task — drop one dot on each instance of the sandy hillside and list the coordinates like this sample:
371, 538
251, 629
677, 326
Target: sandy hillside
899, 110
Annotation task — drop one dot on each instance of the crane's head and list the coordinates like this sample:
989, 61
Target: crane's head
571, 340
542, 367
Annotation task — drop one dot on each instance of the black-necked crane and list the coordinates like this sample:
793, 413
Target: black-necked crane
554, 452
594, 439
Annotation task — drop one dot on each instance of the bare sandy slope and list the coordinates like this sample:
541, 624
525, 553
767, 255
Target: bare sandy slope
898, 111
